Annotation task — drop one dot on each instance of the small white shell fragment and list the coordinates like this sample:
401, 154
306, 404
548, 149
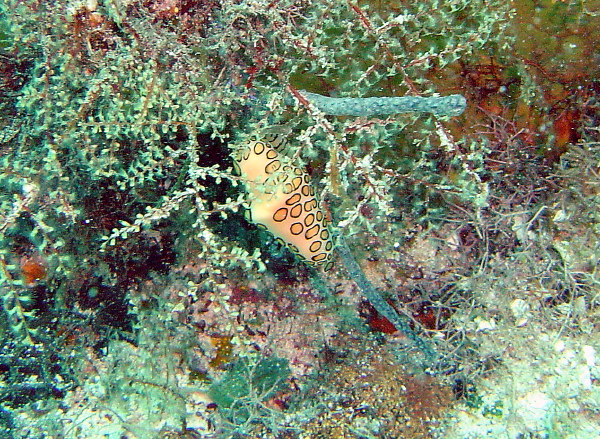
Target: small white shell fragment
520, 310
589, 353
584, 376
559, 346
484, 325
521, 322
560, 216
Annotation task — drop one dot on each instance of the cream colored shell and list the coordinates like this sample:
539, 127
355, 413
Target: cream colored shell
283, 201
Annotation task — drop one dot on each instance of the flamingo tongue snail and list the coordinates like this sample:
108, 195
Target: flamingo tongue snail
283, 201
